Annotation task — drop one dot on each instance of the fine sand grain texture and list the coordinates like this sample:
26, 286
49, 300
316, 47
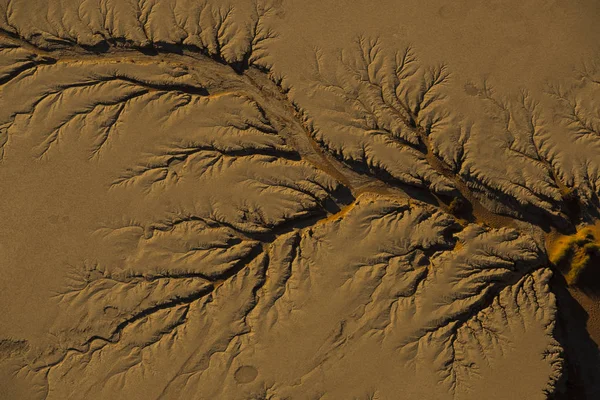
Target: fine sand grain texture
285, 199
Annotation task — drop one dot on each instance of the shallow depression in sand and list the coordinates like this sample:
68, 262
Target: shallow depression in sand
245, 374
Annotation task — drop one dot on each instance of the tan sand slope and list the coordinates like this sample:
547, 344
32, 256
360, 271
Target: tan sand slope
197, 204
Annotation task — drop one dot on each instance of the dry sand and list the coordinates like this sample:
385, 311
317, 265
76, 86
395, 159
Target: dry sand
299, 199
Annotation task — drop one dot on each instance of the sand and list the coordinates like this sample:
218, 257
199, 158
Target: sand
299, 199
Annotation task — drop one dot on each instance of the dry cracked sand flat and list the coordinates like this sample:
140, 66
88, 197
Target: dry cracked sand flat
293, 199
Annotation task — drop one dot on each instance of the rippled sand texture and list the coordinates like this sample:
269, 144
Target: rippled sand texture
213, 200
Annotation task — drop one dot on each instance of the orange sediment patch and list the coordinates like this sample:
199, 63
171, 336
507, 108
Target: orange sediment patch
575, 256
573, 253
338, 215
363, 195
458, 246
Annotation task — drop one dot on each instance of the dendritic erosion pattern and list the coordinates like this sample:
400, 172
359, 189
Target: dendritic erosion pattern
227, 240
